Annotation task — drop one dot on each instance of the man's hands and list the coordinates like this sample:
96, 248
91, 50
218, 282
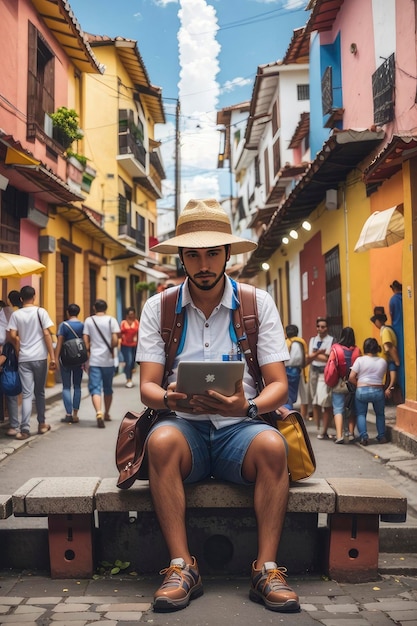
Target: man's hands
211, 403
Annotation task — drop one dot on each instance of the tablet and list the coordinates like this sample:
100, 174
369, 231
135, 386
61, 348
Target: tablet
196, 377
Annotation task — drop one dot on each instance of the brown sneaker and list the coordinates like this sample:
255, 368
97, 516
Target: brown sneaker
43, 428
182, 583
270, 588
100, 420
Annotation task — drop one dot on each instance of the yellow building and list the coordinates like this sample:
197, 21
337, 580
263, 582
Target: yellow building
120, 110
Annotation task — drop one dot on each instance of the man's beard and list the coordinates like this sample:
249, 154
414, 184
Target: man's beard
207, 287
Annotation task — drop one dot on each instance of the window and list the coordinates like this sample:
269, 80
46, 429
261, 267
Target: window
277, 157
275, 122
303, 92
257, 172
41, 79
383, 85
327, 91
266, 165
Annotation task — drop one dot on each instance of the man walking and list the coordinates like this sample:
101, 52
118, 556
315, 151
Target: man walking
101, 336
30, 335
320, 394
219, 436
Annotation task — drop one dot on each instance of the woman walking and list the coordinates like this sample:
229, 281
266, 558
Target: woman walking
368, 373
129, 329
344, 352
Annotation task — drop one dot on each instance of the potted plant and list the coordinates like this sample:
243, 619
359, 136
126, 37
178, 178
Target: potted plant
65, 125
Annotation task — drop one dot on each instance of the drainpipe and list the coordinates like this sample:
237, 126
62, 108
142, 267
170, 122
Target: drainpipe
346, 254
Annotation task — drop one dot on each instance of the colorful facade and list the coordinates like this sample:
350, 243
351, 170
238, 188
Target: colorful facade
363, 149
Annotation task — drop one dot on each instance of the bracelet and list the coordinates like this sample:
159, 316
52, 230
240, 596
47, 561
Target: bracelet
391, 388
166, 401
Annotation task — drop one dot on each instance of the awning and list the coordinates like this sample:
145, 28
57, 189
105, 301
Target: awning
382, 229
390, 159
83, 218
151, 272
30, 175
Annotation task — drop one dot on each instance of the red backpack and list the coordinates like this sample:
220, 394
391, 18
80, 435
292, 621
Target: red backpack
339, 363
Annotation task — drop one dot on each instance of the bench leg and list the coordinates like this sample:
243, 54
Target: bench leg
71, 545
353, 546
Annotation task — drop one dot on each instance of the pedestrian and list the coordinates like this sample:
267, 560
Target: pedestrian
101, 336
397, 323
344, 352
228, 439
71, 377
12, 402
129, 329
31, 338
367, 374
14, 299
297, 348
389, 349
319, 393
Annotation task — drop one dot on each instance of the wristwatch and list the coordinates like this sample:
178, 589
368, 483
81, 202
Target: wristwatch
252, 411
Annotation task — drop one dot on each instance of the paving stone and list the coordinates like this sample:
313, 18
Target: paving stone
70, 608
18, 619
341, 608
392, 604
326, 620
405, 618
124, 616
46, 600
120, 606
29, 609
71, 617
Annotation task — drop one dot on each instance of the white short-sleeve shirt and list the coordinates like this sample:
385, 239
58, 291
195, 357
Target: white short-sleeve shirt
30, 322
209, 339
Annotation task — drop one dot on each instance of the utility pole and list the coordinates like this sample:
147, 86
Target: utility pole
177, 162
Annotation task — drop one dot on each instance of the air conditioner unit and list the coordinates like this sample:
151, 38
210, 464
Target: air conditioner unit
331, 199
47, 244
48, 125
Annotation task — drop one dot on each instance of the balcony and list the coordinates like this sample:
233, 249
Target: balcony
132, 155
130, 235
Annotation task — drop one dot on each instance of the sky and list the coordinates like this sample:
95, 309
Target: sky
204, 53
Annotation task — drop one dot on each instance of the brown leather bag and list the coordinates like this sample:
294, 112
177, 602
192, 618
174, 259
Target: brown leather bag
135, 427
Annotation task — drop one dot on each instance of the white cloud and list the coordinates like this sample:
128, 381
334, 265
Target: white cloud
198, 92
231, 85
289, 5
163, 3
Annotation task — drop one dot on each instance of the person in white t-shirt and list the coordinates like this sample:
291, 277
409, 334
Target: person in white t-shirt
101, 336
368, 374
31, 337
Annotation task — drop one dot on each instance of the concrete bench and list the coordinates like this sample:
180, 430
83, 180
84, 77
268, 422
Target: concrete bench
87, 514
6, 508
69, 505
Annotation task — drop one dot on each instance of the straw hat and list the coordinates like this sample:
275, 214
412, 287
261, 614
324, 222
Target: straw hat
204, 224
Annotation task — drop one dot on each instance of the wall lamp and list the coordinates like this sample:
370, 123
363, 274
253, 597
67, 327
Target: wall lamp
265, 266
294, 234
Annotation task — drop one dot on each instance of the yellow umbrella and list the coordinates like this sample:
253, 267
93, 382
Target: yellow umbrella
16, 265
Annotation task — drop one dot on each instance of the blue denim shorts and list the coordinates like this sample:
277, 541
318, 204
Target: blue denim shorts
338, 402
100, 379
217, 452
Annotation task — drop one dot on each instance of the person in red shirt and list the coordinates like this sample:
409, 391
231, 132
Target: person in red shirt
129, 329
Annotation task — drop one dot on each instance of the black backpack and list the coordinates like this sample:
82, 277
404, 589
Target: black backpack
73, 351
